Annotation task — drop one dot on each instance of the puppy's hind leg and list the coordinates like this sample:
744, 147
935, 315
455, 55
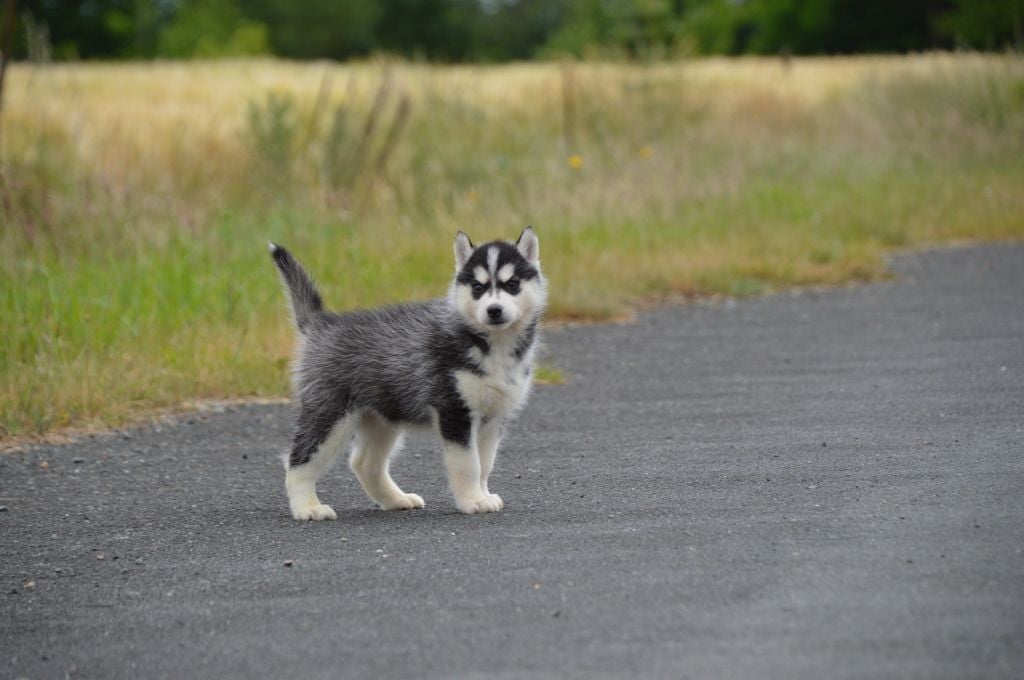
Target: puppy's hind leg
318, 441
376, 439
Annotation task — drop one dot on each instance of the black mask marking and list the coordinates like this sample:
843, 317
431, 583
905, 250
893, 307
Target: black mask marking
507, 254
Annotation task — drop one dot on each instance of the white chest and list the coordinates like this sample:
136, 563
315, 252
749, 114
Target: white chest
502, 390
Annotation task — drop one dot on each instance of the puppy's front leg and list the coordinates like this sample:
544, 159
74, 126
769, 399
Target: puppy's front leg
462, 459
488, 438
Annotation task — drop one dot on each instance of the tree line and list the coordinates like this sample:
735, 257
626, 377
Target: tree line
504, 30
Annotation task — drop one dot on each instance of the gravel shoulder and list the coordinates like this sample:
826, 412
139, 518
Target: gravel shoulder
820, 484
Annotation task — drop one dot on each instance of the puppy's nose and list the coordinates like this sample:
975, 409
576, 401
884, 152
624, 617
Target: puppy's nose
494, 312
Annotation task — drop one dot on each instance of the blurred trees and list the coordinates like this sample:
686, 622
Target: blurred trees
211, 28
986, 24
500, 30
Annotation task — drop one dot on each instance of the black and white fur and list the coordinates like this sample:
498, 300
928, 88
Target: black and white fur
462, 365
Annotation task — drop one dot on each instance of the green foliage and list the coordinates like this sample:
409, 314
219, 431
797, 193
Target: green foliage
501, 30
985, 24
212, 28
271, 132
638, 28
349, 151
309, 29
338, 146
714, 27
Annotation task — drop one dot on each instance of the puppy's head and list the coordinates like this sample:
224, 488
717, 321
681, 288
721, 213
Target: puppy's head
498, 285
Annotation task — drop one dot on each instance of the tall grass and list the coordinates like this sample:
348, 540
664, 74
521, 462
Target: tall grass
137, 199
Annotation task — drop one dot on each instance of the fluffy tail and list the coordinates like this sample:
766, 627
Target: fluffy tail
305, 299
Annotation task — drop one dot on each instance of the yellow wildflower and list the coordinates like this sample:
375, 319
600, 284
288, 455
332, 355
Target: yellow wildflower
575, 162
646, 151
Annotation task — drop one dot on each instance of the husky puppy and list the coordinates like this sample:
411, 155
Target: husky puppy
462, 365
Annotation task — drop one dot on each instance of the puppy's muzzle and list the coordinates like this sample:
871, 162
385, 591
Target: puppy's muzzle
495, 314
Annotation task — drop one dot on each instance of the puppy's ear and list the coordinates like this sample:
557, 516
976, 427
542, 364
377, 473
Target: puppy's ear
529, 246
463, 249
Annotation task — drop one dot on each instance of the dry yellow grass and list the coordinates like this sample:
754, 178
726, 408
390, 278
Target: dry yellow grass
137, 198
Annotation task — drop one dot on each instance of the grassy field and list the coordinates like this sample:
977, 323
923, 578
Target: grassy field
137, 199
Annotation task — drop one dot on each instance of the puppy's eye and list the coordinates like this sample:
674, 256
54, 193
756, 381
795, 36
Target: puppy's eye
478, 287
512, 285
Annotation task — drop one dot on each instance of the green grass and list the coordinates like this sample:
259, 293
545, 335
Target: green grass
134, 274
546, 374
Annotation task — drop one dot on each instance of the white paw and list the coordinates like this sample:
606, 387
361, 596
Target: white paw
406, 501
489, 503
314, 512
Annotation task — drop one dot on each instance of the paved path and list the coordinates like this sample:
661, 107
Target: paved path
824, 485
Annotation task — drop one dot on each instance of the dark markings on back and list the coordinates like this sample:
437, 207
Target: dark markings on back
398, 361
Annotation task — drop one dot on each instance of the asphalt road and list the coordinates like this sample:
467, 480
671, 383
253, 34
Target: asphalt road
822, 485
